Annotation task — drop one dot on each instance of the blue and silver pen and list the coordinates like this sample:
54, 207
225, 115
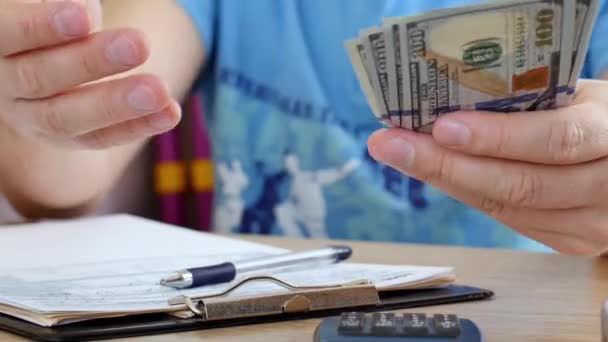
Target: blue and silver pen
226, 272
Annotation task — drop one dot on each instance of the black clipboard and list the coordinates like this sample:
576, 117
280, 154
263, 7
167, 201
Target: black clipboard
293, 309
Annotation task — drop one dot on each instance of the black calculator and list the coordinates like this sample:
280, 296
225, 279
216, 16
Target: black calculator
393, 327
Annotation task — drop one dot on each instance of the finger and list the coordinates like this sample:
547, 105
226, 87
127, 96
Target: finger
29, 26
584, 224
95, 106
565, 136
571, 231
132, 130
47, 72
566, 244
578, 230
512, 183
543, 226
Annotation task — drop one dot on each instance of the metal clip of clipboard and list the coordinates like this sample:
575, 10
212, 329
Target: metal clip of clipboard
298, 299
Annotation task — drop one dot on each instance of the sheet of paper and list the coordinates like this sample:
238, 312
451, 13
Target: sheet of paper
110, 238
99, 288
114, 265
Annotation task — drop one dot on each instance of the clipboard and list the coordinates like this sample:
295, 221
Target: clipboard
220, 310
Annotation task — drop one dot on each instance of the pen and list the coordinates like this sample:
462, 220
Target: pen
226, 272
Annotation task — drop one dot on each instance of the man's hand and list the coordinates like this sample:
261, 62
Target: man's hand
545, 174
50, 67
69, 85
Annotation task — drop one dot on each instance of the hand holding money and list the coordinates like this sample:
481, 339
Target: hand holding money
542, 174
506, 56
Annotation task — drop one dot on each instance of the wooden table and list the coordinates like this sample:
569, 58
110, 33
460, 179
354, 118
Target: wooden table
539, 297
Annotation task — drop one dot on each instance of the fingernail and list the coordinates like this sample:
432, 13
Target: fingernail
397, 152
452, 133
142, 98
161, 121
122, 51
71, 22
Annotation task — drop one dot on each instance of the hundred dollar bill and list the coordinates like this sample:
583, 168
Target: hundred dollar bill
393, 62
407, 94
397, 82
374, 42
508, 56
358, 58
586, 15
407, 81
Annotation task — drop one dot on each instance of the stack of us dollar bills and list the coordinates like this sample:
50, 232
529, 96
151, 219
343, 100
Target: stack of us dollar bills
501, 56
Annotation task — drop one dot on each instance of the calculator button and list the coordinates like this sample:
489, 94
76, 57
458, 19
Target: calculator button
446, 325
384, 324
351, 323
415, 325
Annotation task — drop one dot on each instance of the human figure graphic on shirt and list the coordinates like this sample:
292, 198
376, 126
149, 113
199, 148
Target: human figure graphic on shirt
305, 206
233, 182
259, 218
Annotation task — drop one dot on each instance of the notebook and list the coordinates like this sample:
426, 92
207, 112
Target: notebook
59, 272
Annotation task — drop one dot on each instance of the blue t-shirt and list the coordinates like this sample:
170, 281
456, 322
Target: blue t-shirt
289, 125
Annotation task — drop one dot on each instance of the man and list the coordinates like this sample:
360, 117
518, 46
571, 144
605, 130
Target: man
278, 83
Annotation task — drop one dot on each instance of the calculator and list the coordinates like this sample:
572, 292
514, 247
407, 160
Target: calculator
393, 327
